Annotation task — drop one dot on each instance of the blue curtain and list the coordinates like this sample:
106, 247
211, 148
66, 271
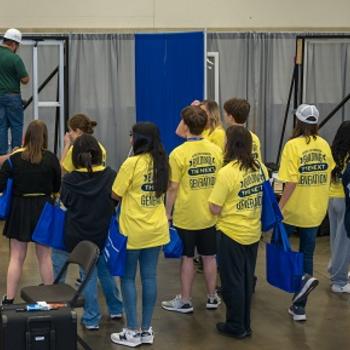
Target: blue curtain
169, 76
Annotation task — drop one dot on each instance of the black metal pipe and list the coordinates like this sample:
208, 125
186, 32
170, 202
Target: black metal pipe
41, 87
335, 110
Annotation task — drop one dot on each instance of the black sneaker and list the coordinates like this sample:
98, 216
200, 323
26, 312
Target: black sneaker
308, 284
298, 313
6, 301
223, 328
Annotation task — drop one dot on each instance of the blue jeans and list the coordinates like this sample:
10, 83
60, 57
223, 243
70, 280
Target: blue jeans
307, 244
11, 116
92, 315
148, 260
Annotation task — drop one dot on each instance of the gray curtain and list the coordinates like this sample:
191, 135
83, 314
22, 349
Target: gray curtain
101, 84
258, 67
48, 58
327, 79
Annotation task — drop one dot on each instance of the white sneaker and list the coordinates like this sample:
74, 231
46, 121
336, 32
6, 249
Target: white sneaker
147, 337
178, 305
213, 302
340, 289
127, 337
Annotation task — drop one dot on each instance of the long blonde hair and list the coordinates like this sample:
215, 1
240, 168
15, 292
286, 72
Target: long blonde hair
213, 111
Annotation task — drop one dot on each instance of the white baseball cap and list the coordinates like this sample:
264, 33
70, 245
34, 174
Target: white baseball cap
14, 35
308, 114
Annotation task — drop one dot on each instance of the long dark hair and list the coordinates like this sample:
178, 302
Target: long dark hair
86, 152
146, 139
239, 147
341, 149
35, 141
306, 130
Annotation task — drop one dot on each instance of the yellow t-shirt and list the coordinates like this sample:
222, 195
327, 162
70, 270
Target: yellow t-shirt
142, 215
217, 136
309, 166
239, 193
194, 166
256, 147
68, 166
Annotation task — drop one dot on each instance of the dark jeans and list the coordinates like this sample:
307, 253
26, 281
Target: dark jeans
237, 266
11, 116
307, 243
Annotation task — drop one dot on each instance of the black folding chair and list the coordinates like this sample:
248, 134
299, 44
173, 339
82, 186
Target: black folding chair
85, 254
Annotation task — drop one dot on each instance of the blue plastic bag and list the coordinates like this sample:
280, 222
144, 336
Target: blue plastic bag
6, 197
174, 248
49, 229
270, 211
114, 251
284, 268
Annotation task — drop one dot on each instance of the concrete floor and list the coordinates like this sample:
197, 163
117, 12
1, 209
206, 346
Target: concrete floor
327, 327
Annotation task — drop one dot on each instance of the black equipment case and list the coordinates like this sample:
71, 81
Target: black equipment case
37, 330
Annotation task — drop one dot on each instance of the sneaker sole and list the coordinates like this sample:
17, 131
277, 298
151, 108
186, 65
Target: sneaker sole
126, 343
181, 311
297, 318
147, 340
339, 291
307, 289
213, 307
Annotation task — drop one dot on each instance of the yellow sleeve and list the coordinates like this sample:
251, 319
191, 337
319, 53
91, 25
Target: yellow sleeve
219, 138
288, 171
175, 167
124, 177
67, 162
220, 191
104, 154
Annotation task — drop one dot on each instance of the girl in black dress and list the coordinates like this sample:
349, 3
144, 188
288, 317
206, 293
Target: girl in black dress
36, 177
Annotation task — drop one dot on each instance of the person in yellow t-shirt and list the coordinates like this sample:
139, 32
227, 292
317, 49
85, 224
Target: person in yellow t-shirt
194, 166
236, 112
305, 169
78, 124
141, 184
214, 132
339, 242
237, 200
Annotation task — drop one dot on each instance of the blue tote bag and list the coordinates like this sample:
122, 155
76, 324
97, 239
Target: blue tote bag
49, 229
175, 247
284, 268
6, 197
270, 211
114, 252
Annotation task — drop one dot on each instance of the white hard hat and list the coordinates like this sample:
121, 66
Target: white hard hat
14, 35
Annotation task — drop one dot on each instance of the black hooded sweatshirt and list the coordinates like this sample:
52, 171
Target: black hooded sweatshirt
87, 198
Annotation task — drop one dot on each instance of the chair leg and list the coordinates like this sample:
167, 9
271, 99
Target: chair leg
84, 345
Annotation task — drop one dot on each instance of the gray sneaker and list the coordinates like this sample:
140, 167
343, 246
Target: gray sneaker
177, 305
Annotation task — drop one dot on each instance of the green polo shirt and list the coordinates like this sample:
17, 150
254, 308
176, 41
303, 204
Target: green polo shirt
12, 70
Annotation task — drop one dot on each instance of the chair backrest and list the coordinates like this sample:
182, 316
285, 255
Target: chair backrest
85, 254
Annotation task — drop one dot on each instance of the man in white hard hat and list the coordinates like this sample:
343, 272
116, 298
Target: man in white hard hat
12, 74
